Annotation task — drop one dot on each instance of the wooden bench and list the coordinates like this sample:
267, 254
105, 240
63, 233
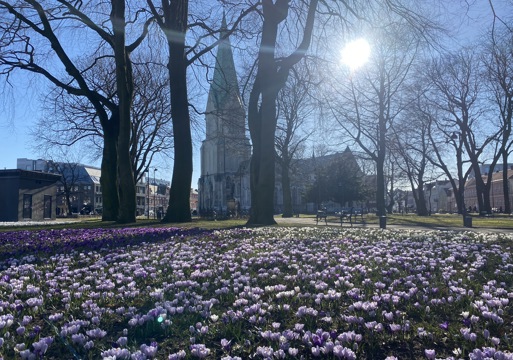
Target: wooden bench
321, 215
353, 216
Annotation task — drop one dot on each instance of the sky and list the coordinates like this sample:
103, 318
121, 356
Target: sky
20, 102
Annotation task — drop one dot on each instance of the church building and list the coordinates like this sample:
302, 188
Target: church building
224, 184
226, 151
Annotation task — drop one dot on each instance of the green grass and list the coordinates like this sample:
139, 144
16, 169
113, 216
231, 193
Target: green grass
452, 220
498, 221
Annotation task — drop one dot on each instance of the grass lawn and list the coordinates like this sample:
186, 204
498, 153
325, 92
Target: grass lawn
498, 221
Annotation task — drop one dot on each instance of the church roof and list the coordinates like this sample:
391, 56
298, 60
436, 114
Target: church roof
224, 90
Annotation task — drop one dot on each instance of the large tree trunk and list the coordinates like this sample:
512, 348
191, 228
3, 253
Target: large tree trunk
262, 212
487, 204
127, 196
380, 188
179, 208
422, 209
179, 204
460, 200
109, 167
480, 191
270, 78
262, 127
421, 204
262, 169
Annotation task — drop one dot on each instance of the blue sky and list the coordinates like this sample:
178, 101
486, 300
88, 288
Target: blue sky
19, 105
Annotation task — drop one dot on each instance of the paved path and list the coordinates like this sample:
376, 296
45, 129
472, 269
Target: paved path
310, 221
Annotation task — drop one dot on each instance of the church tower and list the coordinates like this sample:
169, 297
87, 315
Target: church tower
226, 148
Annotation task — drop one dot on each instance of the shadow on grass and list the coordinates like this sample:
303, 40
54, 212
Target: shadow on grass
46, 240
140, 223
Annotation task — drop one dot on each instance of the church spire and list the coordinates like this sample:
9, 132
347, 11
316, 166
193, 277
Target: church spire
224, 92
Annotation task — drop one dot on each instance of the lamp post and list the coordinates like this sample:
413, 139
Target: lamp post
148, 193
155, 194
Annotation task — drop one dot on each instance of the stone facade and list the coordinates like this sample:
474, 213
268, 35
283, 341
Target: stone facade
225, 152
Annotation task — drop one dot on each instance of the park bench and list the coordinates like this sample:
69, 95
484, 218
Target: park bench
353, 216
485, 214
321, 215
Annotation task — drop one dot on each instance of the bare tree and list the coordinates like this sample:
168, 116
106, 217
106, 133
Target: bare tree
458, 94
371, 100
293, 110
36, 32
70, 119
498, 60
411, 148
271, 76
172, 18
444, 142
152, 131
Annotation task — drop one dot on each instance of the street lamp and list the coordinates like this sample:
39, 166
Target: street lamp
148, 193
155, 194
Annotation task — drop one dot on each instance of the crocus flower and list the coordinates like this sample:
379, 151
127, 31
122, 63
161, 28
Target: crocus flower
430, 354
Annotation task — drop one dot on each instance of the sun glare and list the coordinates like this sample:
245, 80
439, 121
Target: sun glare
356, 53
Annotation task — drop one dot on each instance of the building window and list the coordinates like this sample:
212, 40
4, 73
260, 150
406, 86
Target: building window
27, 206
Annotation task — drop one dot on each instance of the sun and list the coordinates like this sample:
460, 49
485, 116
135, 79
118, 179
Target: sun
356, 53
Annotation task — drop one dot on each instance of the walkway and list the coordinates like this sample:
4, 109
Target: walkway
310, 221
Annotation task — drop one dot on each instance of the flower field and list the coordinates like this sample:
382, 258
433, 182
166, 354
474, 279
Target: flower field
269, 293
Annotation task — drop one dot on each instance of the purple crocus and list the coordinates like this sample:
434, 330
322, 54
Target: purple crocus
444, 325
430, 354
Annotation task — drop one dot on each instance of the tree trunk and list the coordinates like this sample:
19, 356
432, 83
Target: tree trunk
285, 184
391, 203
422, 209
68, 201
380, 188
487, 204
505, 183
124, 84
262, 126
480, 191
109, 167
380, 170
270, 78
179, 208
262, 169
460, 200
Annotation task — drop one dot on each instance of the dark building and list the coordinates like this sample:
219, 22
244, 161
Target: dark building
27, 195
